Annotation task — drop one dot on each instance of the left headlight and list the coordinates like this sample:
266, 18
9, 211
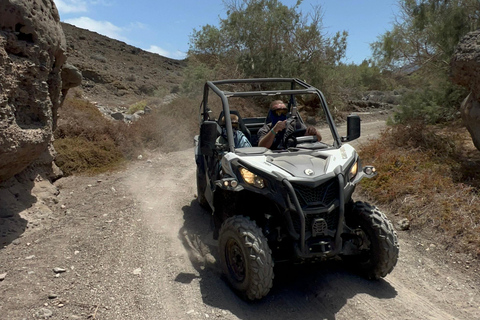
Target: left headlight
252, 179
353, 171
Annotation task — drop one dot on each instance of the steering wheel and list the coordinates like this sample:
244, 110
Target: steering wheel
290, 140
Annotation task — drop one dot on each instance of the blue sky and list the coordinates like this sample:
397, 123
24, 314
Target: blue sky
164, 26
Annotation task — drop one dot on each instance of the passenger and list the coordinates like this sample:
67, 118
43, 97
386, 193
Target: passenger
239, 139
272, 134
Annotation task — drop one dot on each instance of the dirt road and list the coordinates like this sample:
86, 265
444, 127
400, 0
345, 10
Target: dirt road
136, 245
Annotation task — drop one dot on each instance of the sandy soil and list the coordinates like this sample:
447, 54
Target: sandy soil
135, 244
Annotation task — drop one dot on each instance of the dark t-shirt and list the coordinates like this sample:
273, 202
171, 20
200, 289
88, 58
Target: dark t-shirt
278, 142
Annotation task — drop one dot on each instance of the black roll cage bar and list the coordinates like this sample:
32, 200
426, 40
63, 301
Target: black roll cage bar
305, 88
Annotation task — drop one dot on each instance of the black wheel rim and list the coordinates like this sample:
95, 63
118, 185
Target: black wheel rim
235, 260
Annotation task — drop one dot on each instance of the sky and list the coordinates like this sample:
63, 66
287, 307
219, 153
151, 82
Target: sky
165, 26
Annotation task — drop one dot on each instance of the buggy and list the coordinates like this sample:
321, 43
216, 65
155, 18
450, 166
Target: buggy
272, 206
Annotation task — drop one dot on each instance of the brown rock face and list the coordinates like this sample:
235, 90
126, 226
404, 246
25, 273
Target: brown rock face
32, 53
465, 67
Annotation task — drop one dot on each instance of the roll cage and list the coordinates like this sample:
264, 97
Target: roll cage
297, 87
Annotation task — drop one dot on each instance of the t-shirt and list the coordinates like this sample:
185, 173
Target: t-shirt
278, 141
239, 139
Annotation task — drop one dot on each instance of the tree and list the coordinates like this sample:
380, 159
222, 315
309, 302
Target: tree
264, 38
422, 43
425, 34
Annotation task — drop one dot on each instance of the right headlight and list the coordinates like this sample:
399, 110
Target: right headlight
353, 171
252, 179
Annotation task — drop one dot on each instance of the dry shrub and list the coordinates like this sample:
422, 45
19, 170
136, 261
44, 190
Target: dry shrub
81, 155
420, 170
88, 142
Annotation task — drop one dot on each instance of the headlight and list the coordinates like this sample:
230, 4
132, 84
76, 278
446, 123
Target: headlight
353, 171
252, 179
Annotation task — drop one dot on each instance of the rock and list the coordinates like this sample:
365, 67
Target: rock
403, 224
71, 76
44, 313
117, 116
3, 276
137, 271
465, 71
32, 53
52, 296
59, 270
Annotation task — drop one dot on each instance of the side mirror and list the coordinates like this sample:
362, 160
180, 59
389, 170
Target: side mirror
353, 128
209, 131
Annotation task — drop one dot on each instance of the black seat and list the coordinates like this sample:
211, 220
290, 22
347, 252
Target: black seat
241, 124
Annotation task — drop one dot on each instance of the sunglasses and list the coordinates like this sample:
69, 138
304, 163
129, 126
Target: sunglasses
280, 112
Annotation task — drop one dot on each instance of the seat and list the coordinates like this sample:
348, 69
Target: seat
241, 124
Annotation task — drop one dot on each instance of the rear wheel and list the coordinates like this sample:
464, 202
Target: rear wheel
376, 239
245, 257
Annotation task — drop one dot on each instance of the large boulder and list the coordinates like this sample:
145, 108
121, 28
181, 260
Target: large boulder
32, 59
32, 53
465, 71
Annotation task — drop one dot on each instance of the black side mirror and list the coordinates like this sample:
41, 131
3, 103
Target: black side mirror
209, 131
353, 128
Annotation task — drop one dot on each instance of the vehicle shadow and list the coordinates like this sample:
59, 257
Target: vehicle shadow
312, 291
14, 198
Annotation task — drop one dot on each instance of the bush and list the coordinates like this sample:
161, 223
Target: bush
425, 176
79, 155
86, 141
137, 107
431, 104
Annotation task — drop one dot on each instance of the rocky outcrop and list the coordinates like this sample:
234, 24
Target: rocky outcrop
32, 56
465, 71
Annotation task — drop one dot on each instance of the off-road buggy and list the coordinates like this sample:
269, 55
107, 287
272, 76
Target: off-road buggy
287, 205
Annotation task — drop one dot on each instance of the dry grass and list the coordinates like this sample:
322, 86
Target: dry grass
431, 176
87, 142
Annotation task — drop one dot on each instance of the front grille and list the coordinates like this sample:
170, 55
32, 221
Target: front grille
331, 218
321, 196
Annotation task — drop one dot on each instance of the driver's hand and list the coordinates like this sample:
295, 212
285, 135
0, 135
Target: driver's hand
311, 131
280, 125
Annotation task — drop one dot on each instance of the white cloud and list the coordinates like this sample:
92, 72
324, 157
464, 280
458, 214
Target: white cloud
173, 55
158, 50
71, 6
105, 28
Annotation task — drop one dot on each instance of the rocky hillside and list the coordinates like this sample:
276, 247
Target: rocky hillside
117, 74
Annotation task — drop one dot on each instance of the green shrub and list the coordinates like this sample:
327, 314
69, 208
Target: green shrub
137, 107
431, 104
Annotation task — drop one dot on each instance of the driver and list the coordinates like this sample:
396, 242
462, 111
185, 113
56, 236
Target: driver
272, 134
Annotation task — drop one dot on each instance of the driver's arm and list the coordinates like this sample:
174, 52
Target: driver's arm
267, 140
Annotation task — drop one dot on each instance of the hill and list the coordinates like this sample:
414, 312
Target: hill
118, 74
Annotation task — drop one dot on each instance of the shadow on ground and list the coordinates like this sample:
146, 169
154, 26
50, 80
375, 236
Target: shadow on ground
15, 197
313, 291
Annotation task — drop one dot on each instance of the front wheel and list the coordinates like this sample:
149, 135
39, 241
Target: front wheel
245, 257
376, 240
